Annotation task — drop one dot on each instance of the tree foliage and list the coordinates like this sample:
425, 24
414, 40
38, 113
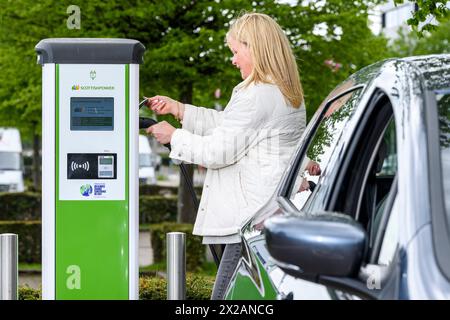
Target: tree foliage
186, 55
331, 40
428, 11
408, 44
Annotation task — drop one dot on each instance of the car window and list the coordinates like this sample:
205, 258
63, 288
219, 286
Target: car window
443, 103
376, 189
320, 151
391, 237
365, 188
373, 202
368, 172
389, 165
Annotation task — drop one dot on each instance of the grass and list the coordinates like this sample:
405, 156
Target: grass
161, 177
154, 267
30, 267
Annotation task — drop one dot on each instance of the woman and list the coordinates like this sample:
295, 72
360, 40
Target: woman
245, 147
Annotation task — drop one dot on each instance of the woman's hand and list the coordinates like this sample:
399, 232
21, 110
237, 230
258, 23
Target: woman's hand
304, 185
162, 131
166, 105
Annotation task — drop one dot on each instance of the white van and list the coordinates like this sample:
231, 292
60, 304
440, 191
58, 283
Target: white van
11, 163
147, 163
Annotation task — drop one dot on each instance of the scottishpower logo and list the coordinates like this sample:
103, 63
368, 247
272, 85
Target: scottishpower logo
78, 87
86, 190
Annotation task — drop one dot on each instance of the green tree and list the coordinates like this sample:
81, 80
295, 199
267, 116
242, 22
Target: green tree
190, 61
331, 40
23, 23
185, 52
186, 56
428, 11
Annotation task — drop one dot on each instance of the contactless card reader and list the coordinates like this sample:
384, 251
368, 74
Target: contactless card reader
106, 166
90, 167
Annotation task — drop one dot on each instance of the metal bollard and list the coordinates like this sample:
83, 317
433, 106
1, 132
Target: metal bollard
8, 266
176, 266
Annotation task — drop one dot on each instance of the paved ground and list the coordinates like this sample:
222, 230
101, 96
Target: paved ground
145, 249
32, 280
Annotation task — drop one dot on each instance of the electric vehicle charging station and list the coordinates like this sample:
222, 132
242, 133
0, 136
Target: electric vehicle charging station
90, 94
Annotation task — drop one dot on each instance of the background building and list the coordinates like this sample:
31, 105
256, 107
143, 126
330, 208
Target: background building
389, 19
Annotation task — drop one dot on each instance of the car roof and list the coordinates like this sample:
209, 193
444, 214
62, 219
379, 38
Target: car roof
434, 70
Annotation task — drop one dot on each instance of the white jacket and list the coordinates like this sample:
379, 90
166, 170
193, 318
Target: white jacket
246, 149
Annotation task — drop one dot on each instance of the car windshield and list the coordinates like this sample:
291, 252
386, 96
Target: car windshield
9, 161
145, 160
443, 103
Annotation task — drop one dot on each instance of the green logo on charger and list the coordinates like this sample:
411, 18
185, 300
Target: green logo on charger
93, 74
86, 190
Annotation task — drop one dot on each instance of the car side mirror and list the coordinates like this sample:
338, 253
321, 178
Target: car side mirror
322, 244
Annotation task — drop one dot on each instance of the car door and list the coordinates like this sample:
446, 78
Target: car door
357, 172
324, 147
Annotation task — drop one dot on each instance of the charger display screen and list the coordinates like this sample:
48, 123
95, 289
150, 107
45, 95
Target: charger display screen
92, 114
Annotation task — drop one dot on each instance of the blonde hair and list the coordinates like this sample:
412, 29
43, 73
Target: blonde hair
273, 59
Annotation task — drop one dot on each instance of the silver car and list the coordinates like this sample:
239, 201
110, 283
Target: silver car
375, 224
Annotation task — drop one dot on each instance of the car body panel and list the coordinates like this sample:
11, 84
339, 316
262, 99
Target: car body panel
421, 278
251, 280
